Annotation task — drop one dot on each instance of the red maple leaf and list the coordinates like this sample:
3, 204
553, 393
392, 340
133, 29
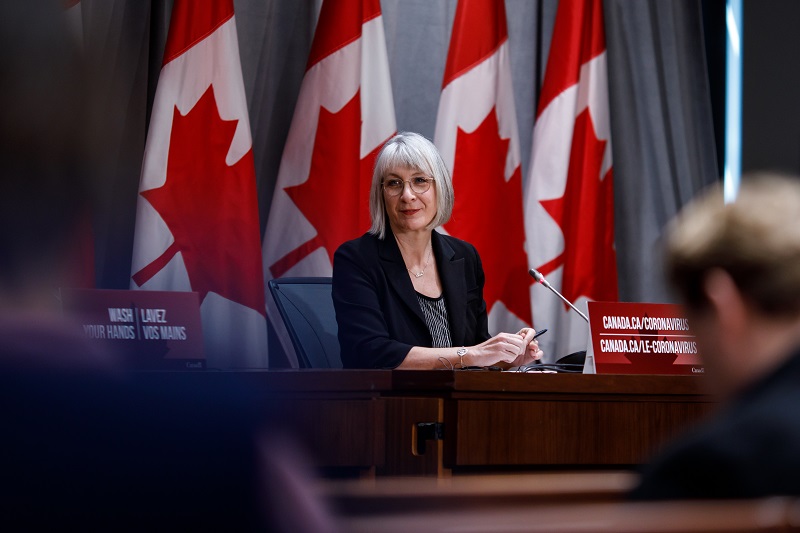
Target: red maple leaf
210, 208
586, 216
335, 196
488, 214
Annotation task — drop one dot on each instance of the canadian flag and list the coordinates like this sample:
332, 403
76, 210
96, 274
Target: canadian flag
344, 114
197, 216
569, 197
476, 133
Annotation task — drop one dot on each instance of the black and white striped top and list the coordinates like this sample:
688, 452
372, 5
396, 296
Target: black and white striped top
435, 313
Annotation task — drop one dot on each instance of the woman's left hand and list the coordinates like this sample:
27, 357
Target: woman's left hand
532, 352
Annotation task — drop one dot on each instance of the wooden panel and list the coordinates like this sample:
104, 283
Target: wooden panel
515, 432
402, 414
365, 418
337, 432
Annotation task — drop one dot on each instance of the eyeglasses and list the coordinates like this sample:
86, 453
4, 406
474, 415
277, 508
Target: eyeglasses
395, 186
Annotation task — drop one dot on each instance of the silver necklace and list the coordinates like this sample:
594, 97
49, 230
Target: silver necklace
421, 272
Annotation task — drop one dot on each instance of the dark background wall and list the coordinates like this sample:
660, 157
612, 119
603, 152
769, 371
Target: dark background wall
771, 86
714, 35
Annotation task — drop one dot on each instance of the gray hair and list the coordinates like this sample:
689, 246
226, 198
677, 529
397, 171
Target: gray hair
412, 151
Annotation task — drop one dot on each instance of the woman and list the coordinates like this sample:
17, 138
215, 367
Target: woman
409, 297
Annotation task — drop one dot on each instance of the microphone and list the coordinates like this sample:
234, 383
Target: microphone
540, 278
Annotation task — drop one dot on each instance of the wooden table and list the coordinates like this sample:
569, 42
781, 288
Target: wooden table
387, 495
376, 421
768, 515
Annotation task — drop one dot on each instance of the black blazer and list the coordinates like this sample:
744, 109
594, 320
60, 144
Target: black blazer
377, 310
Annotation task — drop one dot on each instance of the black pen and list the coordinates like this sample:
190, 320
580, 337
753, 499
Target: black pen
540, 332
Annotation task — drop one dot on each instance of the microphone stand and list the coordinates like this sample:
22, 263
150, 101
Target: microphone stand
540, 278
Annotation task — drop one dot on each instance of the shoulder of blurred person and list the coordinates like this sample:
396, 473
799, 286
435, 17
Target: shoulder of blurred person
747, 450
89, 450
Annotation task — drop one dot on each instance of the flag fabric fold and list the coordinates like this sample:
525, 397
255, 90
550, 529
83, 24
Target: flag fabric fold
477, 135
197, 223
344, 114
569, 198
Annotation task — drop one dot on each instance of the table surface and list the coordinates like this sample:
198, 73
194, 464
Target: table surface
484, 380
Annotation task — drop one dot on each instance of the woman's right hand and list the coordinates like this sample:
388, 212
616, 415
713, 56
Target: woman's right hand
502, 348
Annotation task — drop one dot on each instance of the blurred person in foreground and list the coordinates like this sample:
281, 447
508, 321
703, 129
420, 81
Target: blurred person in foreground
736, 269
409, 297
87, 445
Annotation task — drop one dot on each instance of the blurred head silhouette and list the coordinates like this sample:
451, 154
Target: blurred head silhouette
45, 170
736, 268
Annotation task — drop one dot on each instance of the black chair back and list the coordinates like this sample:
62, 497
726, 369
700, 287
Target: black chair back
306, 307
